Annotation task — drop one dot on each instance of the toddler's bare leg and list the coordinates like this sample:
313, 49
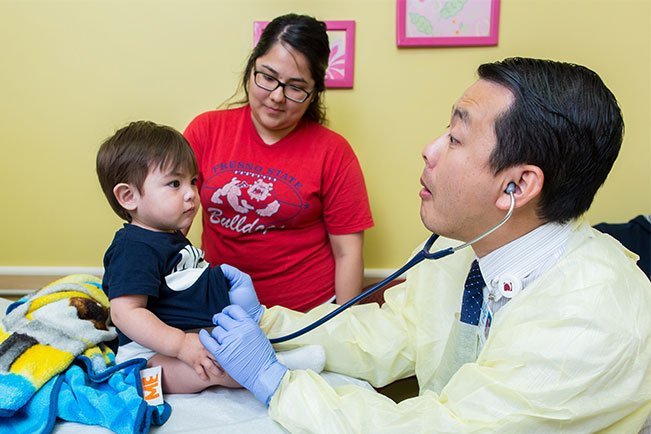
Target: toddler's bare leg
179, 377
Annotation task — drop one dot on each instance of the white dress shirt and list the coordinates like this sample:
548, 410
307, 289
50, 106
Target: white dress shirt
520, 262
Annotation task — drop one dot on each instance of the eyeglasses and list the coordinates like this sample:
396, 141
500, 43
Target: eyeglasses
269, 83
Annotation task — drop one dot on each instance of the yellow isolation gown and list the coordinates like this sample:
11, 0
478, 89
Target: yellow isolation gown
569, 354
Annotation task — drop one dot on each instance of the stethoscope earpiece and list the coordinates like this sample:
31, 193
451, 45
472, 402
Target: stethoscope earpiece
510, 188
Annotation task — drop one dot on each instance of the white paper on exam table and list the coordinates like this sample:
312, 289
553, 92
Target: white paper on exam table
213, 409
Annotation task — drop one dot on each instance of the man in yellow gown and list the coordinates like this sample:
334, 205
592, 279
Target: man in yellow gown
558, 338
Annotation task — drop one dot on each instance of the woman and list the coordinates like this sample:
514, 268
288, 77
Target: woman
283, 197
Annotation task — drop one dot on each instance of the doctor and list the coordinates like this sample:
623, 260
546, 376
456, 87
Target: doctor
544, 326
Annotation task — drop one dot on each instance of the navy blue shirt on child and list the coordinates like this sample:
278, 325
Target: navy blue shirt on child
183, 290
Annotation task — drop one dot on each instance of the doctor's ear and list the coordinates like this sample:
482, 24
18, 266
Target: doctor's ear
528, 180
126, 195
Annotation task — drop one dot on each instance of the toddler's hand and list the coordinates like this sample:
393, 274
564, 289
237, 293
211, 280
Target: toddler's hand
195, 354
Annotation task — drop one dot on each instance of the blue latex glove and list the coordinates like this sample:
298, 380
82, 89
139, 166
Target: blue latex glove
243, 350
242, 292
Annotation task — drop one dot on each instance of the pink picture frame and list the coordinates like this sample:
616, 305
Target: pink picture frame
341, 66
436, 23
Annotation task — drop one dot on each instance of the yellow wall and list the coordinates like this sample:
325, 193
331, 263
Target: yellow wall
71, 72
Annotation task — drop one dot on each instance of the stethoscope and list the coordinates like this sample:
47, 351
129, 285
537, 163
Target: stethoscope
423, 254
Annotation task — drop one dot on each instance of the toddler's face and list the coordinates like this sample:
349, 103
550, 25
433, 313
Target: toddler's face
168, 201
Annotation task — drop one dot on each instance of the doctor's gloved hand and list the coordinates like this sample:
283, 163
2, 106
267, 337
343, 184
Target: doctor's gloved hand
241, 292
244, 352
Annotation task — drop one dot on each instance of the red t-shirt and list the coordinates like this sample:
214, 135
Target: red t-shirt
268, 209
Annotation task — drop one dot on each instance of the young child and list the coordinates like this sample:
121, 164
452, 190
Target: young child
156, 280
159, 285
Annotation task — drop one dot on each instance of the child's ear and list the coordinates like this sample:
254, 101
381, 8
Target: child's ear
126, 196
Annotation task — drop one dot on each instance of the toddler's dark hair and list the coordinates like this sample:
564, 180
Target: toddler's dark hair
128, 155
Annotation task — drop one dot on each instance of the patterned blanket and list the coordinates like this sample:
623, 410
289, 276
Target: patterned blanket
54, 363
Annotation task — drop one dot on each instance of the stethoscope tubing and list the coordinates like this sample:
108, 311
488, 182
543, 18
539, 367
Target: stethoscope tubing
419, 257
423, 254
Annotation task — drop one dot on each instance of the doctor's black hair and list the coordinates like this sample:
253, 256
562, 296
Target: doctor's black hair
306, 35
565, 121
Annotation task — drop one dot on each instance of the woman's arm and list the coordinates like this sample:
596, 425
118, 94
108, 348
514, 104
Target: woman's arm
349, 265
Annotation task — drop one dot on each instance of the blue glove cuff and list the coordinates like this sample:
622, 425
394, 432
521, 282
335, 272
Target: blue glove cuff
268, 381
257, 316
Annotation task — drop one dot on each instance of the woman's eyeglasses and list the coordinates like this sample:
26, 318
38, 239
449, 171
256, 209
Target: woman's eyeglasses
269, 83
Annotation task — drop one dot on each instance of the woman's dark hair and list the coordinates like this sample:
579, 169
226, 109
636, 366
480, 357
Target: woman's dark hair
563, 120
307, 36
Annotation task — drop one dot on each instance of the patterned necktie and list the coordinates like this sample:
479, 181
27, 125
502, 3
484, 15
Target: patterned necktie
472, 295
